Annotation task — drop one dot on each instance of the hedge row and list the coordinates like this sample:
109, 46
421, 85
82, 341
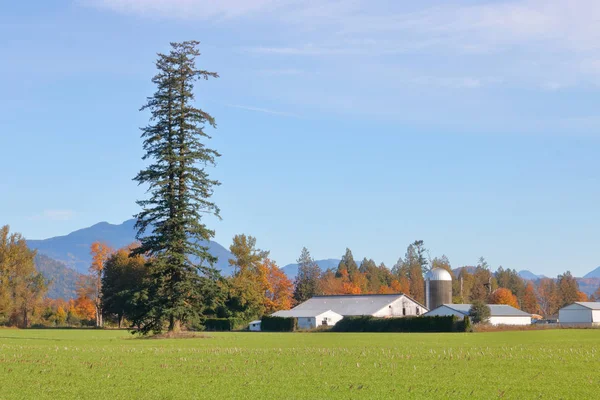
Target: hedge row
406, 324
278, 324
219, 324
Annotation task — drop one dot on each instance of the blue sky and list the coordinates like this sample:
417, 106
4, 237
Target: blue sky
472, 125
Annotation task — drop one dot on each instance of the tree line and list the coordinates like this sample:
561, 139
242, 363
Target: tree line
115, 288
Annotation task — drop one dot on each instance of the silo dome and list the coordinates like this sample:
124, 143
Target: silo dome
438, 274
438, 288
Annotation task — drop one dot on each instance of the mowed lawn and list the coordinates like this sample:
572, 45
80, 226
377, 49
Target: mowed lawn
57, 364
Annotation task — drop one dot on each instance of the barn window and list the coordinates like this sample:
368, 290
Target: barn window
403, 310
418, 311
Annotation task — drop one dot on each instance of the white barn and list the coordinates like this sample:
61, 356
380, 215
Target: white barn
580, 313
500, 314
376, 305
310, 319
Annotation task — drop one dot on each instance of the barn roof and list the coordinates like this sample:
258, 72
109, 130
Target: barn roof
589, 304
302, 313
496, 310
361, 304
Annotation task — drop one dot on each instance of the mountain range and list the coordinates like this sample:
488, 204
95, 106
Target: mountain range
64, 258
73, 249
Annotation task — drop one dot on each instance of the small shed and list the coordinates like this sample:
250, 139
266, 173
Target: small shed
580, 313
500, 314
254, 326
310, 319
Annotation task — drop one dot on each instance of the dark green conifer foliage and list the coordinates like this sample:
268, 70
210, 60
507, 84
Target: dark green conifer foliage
347, 263
306, 284
170, 227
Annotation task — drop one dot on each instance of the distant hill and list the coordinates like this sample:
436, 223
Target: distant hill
528, 275
63, 279
74, 249
593, 274
291, 270
588, 285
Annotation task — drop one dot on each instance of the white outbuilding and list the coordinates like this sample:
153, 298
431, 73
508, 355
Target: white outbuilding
376, 305
580, 313
310, 319
500, 314
254, 326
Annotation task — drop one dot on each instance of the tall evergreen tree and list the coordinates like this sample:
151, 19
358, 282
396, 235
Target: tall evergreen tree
568, 289
170, 226
347, 263
306, 284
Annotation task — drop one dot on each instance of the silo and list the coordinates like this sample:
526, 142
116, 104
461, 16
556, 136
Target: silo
438, 288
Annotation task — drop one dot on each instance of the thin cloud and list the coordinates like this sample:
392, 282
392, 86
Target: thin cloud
54, 215
184, 9
262, 110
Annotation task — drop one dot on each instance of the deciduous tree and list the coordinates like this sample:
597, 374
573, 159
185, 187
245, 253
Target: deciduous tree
504, 296
100, 253
22, 288
548, 297
530, 303
122, 280
278, 287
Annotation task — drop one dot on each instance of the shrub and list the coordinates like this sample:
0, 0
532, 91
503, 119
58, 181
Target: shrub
218, 324
465, 325
278, 324
406, 324
480, 312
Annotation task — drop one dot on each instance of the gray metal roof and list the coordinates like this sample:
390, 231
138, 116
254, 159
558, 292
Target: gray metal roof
302, 313
589, 304
348, 305
496, 310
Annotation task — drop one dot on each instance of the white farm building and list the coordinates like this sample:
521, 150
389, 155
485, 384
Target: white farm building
500, 314
580, 313
376, 305
310, 319
255, 325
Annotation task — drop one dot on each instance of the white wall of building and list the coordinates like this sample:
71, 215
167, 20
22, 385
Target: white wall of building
576, 314
510, 320
328, 318
402, 307
254, 326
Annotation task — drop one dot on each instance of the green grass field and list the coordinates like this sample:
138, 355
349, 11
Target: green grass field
57, 364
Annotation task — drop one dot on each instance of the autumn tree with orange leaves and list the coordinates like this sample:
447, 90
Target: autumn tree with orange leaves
278, 289
90, 286
530, 303
504, 296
